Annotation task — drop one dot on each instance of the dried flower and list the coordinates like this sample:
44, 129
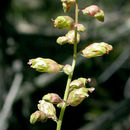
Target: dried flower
45, 65
96, 49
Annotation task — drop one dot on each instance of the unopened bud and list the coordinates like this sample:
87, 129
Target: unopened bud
80, 27
52, 98
100, 16
67, 69
48, 109
71, 37
78, 83
37, 116
64, 22
67, 4
45, 65
83, 80
62, 40
77, 96
96, 49
94, 11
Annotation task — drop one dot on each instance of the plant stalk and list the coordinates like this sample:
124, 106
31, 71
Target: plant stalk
59, 123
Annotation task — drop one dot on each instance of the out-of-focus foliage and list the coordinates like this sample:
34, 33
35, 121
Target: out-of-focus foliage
26, 32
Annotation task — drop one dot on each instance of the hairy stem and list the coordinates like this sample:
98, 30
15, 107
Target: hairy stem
59, 123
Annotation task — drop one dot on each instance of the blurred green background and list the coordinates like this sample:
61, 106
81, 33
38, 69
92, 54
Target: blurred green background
26, 31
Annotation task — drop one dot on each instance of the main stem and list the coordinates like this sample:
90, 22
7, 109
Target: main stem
59, 123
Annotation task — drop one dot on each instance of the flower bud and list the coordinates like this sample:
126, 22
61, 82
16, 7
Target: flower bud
78, 83
77, 96
100, 16
67, 4
94, 11
67, 69
37, 116
48, 109
96, 49
80, 27
71, 36
52, 98
62, 40
83, 80
64, 22
45, 65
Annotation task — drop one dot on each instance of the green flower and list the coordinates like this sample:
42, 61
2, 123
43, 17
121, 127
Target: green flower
78, 83
76, 96
37, 116
62, 40
52, 98
64, 22
94, 11
67, 4
45, 65
71, 37
96, 49
48, 109
67, 69
80, 27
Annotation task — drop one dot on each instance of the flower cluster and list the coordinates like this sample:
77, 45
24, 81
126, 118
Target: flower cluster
76, 90
46, 109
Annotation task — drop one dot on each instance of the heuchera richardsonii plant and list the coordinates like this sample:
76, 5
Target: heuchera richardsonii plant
76, 90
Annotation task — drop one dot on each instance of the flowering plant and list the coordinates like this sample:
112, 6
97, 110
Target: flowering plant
76, 90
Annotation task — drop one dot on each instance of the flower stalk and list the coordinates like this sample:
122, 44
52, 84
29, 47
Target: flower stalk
59, 123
